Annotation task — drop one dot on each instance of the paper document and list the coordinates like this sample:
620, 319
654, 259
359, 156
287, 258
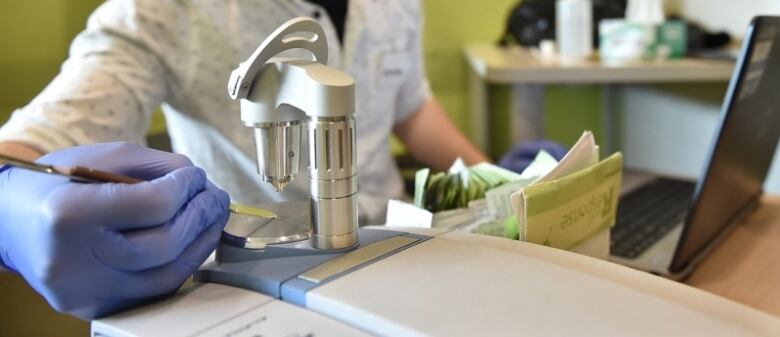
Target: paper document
584, 153
490, 214
498, 198
572, 202
559, 204
401, 214
564, 212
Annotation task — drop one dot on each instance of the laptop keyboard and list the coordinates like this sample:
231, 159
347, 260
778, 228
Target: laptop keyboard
648, 213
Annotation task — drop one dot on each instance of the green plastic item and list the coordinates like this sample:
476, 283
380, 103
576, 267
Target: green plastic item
443, 191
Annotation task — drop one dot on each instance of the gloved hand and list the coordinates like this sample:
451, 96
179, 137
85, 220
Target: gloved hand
92, 249
523, 153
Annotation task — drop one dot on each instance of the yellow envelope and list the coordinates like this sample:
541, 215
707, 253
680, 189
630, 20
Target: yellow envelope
564, 212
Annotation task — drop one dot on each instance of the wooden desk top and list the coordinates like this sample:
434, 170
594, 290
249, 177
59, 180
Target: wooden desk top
515, 65
746, 265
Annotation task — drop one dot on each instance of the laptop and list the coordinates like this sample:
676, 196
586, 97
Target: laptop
667, 225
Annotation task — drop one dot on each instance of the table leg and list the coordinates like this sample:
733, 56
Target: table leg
527, 112
610, 120
479, 116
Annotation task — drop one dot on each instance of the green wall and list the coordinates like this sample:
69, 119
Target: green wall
35, 40
450, 26
571, 109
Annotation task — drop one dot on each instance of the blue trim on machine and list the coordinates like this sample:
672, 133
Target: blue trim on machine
274, 271
294, 290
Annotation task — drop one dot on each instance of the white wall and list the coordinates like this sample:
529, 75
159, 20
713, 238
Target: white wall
669, 128
731, 15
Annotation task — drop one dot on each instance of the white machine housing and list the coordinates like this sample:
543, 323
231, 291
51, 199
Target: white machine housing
459, 284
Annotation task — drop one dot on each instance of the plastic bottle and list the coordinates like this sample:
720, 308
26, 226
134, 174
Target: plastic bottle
574, 26
645, 11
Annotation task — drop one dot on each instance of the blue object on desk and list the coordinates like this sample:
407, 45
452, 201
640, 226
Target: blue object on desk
523, 153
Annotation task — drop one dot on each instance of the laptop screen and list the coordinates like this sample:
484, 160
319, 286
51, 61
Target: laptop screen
746, 140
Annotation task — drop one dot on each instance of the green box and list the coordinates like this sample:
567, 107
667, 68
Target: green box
673, 36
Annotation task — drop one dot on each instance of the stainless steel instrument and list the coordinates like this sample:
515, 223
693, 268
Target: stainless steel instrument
279, 96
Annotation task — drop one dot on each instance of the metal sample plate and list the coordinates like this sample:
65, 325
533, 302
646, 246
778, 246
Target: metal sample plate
246, 231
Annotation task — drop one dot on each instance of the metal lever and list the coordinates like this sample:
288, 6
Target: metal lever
280, 40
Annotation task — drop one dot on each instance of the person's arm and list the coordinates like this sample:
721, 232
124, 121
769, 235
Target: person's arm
119, 70
20, 150
420, 122
433, 139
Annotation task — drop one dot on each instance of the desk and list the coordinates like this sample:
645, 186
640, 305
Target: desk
490, 64
746, 266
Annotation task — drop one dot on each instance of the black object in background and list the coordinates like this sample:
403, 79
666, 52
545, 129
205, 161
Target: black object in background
699, 39
532, 21
337, 11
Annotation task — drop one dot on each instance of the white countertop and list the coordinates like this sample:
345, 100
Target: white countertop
515, 65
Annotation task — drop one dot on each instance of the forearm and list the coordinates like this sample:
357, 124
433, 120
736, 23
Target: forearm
20, 150
433, 139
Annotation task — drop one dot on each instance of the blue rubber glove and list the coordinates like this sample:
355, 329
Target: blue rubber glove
93, 249
523, 153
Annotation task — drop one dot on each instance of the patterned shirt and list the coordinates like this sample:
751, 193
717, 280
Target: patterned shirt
138, 54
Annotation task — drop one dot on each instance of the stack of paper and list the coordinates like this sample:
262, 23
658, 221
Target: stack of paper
574, 201
551, 203
486, 208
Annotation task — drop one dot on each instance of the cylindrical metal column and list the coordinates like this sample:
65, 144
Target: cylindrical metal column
333, 181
